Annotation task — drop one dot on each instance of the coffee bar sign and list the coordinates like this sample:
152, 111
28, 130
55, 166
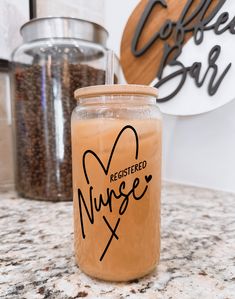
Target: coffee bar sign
186, 49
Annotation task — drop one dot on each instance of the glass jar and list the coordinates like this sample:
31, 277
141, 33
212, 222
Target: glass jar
116, 152
6, 152
58, 56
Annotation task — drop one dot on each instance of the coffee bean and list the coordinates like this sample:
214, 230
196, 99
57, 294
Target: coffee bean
44, 101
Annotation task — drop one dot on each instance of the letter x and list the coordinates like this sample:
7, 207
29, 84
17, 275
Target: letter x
111, 238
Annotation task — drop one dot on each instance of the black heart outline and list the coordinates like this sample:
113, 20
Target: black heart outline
106, 170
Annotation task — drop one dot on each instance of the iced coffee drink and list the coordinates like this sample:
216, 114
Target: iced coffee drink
117, 183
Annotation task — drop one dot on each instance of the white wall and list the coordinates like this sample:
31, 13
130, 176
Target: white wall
91, 10
198, 150
13, 16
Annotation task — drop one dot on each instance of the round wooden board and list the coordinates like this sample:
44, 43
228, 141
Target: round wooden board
144, 69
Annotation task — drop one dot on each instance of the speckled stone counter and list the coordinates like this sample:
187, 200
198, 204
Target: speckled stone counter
197, 259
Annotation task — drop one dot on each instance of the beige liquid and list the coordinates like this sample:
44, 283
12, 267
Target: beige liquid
134, 250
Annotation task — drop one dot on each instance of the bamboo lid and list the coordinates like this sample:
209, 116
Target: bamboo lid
101, 90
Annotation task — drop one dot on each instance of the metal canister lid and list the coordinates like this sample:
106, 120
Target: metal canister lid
64, 27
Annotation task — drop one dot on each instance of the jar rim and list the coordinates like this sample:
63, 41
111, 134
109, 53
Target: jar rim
115, 89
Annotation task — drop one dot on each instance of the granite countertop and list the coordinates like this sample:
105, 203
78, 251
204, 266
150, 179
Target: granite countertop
197, 257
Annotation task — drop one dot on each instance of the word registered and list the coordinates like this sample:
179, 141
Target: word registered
127, 171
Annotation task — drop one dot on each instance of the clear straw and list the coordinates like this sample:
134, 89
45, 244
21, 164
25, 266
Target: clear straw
109, 76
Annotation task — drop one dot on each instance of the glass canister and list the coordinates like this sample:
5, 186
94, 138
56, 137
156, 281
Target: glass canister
6, 150
116, 152
58, 56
